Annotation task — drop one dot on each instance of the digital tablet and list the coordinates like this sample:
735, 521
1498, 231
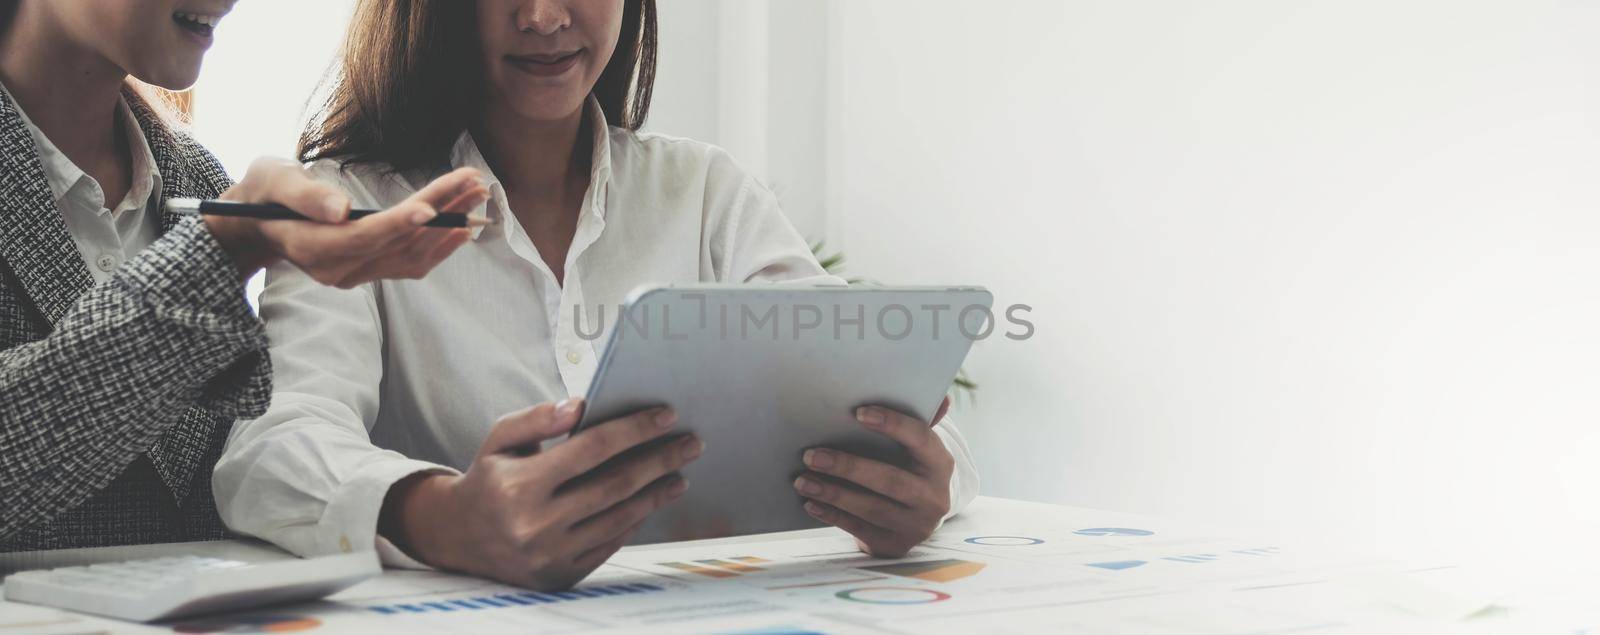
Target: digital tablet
762, 372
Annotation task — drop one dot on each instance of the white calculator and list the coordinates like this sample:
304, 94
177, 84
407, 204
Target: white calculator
180, 586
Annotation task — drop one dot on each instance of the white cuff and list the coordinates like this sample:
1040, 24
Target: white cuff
350, 521
396, 558
964, 479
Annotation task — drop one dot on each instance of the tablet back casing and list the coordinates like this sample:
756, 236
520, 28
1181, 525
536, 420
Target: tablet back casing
763, 372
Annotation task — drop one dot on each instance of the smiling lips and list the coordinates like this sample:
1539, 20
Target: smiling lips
545, 64
200, 24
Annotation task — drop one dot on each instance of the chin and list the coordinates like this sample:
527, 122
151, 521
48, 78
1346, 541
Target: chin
545, 105
544, 114
174, 79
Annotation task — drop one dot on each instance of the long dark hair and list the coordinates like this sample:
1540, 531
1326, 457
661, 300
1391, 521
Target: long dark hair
409, 83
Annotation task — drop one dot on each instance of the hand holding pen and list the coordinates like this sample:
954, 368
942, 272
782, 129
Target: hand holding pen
341, 248
274, 211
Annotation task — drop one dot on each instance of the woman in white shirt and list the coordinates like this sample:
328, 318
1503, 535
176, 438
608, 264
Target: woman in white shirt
383, 429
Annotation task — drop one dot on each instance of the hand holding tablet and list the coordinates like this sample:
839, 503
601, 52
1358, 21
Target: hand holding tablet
768, 375
542, 519
889, 509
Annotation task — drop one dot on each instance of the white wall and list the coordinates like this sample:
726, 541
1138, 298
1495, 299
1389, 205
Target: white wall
267, 59
685, 99
749, 75
1322, 267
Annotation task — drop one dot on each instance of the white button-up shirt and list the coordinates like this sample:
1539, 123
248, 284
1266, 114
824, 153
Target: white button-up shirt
105, 237
395, 377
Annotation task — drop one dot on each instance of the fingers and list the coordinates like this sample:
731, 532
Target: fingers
334, 254
400, 247
887, 480
615, 483
378, 231
624, 517
452, 191
465, 201
880, 542
588, 449
593, 541
868, 506
389, 244
593, 558
412, 259
520, 430
916, 436
452, 242
429, 253
441, 250
457, 192
275, 180
944, 409
420, 249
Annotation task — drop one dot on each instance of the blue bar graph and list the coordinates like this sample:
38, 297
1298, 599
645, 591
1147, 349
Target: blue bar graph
505, 600
1199, 557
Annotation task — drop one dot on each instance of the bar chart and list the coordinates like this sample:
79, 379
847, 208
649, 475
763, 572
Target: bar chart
509, 600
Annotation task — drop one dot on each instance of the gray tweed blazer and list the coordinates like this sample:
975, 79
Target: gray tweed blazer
116, 399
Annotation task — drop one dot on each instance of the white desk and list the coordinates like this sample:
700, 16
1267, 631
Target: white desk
1004, 566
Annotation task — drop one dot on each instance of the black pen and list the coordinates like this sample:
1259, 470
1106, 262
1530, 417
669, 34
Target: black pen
268, 211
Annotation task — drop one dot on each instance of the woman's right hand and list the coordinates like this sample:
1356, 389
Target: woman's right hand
542, 519
390, 244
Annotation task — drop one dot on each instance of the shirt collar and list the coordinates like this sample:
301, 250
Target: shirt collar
62, 174
146, 176
466, 154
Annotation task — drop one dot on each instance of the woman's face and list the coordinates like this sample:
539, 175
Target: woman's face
542, 57
160, 42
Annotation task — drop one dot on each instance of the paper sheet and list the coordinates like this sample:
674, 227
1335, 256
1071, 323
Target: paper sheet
1029, 570
21, 619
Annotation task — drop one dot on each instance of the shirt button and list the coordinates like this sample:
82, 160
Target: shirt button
344, 544
573, 356
106, 262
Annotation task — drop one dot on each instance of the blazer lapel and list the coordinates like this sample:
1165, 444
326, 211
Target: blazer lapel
177, 177
33, 236
179, 453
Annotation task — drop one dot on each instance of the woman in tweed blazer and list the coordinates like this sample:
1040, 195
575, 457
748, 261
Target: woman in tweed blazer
116, 396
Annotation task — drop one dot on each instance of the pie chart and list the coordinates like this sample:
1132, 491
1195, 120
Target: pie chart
1003, 541
892, 595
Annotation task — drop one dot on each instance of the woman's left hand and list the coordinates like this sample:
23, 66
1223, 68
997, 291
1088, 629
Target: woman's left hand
888, 509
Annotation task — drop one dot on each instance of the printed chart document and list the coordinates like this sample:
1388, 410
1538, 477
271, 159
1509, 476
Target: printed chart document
1006, 567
